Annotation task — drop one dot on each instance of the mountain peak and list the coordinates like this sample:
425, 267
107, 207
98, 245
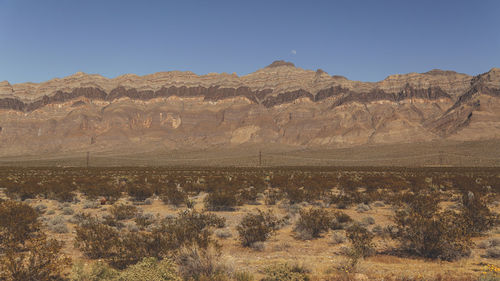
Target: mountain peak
278, 63
440, 72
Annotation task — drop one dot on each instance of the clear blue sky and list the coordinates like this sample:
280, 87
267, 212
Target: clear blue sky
362, 40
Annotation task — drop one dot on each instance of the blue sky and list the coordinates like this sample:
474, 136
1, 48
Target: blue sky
362, 40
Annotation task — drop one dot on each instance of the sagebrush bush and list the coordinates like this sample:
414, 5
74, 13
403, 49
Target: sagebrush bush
257, 227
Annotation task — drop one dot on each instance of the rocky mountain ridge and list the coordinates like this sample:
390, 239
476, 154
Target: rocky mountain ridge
279, 104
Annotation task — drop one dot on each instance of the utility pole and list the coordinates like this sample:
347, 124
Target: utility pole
260, 158
88, 159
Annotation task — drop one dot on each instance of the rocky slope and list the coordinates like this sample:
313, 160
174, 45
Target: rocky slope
280, 104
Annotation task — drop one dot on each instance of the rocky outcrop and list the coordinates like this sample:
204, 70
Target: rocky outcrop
279, 104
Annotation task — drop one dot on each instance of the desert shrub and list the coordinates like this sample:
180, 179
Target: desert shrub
257, 227
223, 233
286, 272
338, 238
478, 216
25, 251
95, 239
107, 190
150, 269
120, 249
361, 240
174, 196
201, 263
62, 190
312, 223
423, 230
248, 195
18, 222
188, 228
368, 221
144, 220
132, 247
23, 190
221, 200
67, 211
123, 212
492, 253
272, 196
111, 220
139, 192
40, 260
132, 227
243, 276
91, 204
492, 242
41, 208
57, 225
97, 271
339, 220
377, 230
361, 208
295, 194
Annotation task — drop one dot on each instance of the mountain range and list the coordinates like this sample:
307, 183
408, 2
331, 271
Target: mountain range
280, 105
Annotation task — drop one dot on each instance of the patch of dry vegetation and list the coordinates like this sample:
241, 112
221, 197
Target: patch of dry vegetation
202, 224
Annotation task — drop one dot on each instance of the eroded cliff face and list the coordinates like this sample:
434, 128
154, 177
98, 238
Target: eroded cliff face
279, 104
